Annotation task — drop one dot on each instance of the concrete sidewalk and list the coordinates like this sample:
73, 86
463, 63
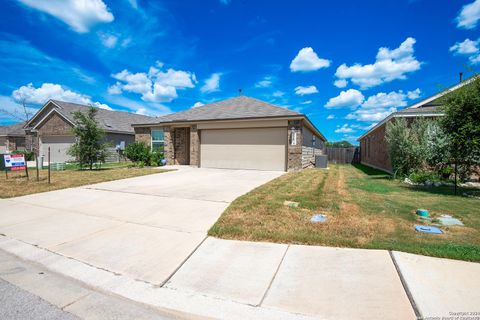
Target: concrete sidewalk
239, 280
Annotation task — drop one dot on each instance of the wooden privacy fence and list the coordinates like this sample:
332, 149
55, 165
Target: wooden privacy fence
343, 155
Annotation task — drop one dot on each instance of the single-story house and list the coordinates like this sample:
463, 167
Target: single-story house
373, 146
12, 137
52, 127
237, 133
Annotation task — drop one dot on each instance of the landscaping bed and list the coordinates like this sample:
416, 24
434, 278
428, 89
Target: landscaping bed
364, 209
18, 185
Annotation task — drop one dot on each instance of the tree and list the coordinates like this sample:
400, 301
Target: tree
407, 145
90, 146
462, 124
340, 144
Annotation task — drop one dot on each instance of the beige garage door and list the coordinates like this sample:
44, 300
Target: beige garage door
58, 147
256, 148
3, 142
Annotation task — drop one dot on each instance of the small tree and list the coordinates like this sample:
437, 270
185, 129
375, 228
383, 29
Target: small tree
407, 145
90, 146
462, 123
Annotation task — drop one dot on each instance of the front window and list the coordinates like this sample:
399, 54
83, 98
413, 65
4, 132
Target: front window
157, 140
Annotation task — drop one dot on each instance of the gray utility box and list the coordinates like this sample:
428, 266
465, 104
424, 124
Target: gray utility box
321, 161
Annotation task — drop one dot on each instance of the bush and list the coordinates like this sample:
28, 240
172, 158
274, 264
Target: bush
138, 152
422, 176
156, 158
29, 155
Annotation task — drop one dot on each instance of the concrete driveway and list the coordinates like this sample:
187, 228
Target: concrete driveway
143, 227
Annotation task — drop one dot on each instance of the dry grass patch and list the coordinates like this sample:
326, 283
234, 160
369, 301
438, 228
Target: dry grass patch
18, 185
365, 209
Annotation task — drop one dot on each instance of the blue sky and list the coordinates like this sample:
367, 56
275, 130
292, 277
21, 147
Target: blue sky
345, 64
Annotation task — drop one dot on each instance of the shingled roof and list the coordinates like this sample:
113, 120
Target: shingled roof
15, 129
109, 120
240, 107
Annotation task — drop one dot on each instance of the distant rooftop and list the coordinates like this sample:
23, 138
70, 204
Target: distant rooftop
109, 120
15, 129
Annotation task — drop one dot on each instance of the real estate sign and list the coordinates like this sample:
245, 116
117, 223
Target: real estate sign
12, 162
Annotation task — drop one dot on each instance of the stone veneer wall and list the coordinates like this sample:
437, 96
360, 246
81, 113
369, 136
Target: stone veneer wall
194, 146
308, 156
181, 145
143, 134
168, 141
294, 152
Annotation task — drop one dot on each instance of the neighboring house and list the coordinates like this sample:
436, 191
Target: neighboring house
52, 127
12, 137
373, 146
237, 133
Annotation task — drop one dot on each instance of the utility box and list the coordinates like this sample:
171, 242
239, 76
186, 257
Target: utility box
321, 161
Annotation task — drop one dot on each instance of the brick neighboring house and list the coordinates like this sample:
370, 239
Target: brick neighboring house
52, 127
374, 148
237, 133
12, 137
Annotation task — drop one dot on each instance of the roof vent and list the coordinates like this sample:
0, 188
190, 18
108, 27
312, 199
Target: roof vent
107, 124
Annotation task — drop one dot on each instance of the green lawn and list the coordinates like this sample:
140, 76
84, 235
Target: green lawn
365, 209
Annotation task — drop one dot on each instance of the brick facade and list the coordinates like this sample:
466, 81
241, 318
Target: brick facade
194, 146
143, 134
294, 152
168, 145
55, 125
374, 150
181, 145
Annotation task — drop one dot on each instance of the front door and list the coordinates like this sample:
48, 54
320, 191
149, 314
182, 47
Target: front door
181, 145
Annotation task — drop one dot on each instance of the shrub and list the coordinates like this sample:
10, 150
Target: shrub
422, 176
29, 155
156, 158
138, 152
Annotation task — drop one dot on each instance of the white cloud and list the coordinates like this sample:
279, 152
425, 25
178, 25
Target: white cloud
198, 104
301, 91
133, 3
389, 65
108, 40
306, 102
79, 15
350, 98
469, 15
379, 106
415, 94
468, 48
142, 111
340, 83
278, 94
307, 60
47, 91
154, 86
330, 117
102, 106
265, 82
212, 84
344, 129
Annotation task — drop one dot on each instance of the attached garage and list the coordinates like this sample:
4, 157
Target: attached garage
252, 148
58, 147
237, 133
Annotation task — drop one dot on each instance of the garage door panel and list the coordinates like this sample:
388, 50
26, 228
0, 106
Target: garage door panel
58, 147
254, 148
